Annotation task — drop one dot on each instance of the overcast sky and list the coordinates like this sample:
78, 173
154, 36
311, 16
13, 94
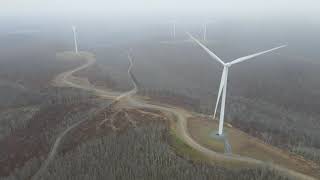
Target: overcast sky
305, 8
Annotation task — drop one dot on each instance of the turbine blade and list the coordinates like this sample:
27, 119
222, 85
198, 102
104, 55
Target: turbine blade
206, 49
254, 55
220, 91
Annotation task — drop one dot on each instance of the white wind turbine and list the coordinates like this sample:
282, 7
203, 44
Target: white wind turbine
75, 39
224, 77
174, 30
205, 30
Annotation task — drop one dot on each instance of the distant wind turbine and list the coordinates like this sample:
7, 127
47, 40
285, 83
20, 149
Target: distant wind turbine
174, 30
224, 77
205, 29
75, 39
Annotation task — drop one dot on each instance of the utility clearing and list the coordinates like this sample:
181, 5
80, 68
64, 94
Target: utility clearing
201, 130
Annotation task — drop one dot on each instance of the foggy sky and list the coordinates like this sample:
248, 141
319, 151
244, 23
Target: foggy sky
273, 8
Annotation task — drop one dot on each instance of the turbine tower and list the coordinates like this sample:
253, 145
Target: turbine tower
205, 32
174, 30
205, 29
75, 39
224, 77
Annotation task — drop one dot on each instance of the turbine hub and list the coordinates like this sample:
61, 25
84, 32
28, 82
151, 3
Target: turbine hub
227, 64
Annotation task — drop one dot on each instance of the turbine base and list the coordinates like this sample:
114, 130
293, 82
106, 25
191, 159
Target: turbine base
215, 135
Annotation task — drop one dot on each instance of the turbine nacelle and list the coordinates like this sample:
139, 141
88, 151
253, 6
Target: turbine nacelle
227, 64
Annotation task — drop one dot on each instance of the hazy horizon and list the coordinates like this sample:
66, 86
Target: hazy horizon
287, 9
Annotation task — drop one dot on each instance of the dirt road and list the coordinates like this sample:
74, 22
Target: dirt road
64, 80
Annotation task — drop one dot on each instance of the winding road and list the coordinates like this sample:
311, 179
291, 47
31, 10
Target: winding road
64, 80
132, 100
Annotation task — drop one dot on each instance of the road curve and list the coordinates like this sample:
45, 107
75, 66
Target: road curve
135, 86
53, 151
66, 78
180, 114
63, 80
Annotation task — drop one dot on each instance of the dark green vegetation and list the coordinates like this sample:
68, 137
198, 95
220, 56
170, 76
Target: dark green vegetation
37, 129
140, 153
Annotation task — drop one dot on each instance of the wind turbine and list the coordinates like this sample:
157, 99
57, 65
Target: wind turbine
224, 77
75, 39
174, 30
205, 29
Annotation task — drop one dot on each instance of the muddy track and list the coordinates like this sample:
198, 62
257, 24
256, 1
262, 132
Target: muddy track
181, 115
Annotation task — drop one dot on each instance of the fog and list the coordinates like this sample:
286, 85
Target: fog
274, 97
123, 8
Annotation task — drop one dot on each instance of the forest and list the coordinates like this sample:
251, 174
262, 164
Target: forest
52, 132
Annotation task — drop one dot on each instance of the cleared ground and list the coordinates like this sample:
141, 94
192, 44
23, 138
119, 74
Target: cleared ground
247, 146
